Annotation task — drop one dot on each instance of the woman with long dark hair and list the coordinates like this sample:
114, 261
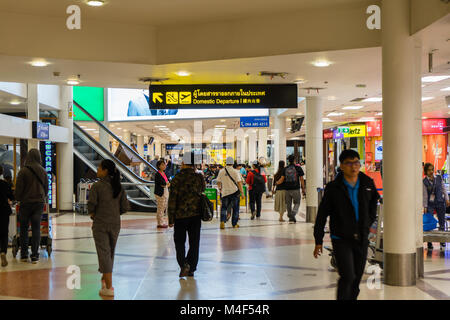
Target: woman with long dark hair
161, 194
256, 185
107, 201
279, 191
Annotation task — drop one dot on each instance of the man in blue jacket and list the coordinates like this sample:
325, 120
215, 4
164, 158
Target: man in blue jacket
351, 202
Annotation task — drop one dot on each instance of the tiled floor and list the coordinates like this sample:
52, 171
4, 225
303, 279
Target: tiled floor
264, 259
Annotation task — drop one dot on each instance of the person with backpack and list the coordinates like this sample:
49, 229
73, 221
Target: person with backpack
350, 201
256, 187
107, 202
185, 214
292, 178
31, 191
229, 182
435, 197
6, 195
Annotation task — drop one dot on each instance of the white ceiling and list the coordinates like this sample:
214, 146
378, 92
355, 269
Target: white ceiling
168, 12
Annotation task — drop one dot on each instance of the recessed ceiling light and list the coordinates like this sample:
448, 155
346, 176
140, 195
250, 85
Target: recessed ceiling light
352, 107
374, 99
89, 129
119, 128
365, 119
73, 82
160, 126
332, 98
223, 120
300, 81
427, 98
379, 114
183, 74
299, 113
321, 63
15, 102
95, 3
326, 120
39, 63
335, 114
446, 89
434, 78
171, 121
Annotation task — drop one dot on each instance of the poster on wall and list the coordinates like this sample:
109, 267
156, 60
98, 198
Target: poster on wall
435, 150
133, 105
378, 150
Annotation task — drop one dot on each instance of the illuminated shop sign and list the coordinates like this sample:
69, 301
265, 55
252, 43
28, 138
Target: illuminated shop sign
433, 126
244, 96
48, 165
355, 131
327, 134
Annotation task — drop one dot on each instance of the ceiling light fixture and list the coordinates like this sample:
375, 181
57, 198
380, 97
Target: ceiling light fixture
446, 89
95, 3
15, 102
321, 63
73, 82
335, 114
352, 107
427, 98
434, 78
183, 74
374, 99
379, 114
39, 63
326, 120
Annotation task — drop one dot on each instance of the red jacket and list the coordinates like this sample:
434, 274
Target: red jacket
250, 176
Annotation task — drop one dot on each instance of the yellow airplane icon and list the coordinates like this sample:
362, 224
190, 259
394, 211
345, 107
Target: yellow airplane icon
157, 96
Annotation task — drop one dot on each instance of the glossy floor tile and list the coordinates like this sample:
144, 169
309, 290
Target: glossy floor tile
263, 259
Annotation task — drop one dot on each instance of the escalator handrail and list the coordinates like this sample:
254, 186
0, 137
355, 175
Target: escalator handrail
112, 156
114, 136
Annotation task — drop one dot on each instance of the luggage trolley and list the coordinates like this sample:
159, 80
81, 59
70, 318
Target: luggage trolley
83, 188
46, 232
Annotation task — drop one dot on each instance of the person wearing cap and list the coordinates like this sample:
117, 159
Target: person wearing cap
229, 182
184, 213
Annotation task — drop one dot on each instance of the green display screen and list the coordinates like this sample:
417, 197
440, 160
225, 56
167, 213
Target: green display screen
92, 100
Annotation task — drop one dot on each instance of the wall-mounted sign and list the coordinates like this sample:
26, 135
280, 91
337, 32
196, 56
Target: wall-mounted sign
41, 130
343, 129
378, 150
337, 134
433, 126
374, 128
327, 134
48, 166
254, 122
356, 131
209, 96
174, 147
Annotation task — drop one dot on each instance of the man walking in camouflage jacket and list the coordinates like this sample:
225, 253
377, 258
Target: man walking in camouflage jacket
184, 213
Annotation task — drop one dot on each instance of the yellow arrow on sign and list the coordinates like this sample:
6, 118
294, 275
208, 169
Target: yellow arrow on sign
157, 96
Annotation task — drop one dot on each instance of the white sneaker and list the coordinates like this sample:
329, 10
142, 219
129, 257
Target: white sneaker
107, 292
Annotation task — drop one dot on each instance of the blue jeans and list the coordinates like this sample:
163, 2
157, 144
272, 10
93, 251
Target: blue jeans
233, 201
30, 212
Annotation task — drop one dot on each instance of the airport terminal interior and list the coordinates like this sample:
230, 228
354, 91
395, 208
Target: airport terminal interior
241, 83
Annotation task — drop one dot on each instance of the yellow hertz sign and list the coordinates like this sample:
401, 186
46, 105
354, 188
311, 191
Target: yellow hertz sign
356, 131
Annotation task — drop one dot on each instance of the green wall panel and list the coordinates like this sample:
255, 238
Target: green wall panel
90, 98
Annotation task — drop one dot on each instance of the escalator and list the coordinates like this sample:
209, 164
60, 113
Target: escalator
88, 152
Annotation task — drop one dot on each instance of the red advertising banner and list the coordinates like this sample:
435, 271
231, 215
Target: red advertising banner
374, 128
327, 134
433, 126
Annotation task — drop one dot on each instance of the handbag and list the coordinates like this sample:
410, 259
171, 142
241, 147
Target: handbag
237, 192
206, 208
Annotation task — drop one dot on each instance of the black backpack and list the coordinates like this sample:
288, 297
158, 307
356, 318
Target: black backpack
259, 185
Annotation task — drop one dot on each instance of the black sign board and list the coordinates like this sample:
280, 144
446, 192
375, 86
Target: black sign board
40, 130
228, 96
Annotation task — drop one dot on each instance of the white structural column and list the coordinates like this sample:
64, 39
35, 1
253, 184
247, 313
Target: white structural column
262, 143
126, 137
243, 149
252, 156
158, 151
314, 161
417, 132
399, 123
64, 152
140, 150
104, 136
279, 140
33, 110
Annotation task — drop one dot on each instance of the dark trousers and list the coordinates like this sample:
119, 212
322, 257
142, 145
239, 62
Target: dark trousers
4, 228
440, 212
255, 198
30, 212
229, 203
190, 226
351, 259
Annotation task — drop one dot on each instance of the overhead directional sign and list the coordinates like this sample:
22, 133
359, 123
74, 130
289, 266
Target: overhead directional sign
228, 96
254, 122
